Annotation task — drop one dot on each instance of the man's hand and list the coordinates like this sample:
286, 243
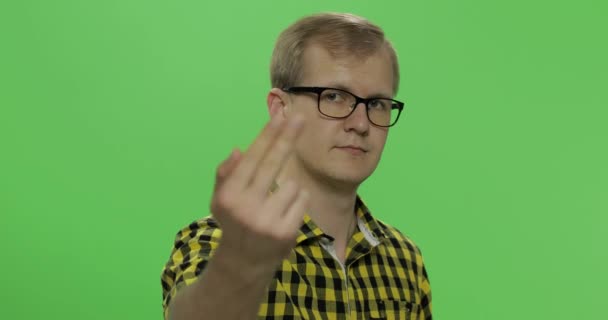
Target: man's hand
259, 229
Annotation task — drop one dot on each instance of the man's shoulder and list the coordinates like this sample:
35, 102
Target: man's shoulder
390, 235
205, 229
396, 238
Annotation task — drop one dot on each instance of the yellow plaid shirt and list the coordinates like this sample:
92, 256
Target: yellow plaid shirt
383, 277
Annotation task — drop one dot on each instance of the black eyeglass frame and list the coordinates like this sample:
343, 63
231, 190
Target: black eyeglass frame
318, 90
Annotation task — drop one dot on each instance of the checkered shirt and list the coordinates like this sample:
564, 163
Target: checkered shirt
383, 276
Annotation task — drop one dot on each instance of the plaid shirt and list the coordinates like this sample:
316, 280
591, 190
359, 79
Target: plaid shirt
383, 276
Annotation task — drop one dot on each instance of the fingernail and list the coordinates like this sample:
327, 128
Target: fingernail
233, 154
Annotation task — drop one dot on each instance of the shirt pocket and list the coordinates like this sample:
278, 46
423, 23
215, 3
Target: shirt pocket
392, 310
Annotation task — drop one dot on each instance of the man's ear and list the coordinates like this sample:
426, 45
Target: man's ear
276, 101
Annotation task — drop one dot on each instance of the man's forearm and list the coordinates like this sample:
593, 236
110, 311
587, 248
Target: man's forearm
225, 290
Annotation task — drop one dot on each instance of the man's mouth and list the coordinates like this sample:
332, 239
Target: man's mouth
352, 149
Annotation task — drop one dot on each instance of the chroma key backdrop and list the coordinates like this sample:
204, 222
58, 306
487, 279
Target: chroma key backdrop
115, 114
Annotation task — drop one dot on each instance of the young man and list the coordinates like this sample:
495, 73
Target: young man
289, 238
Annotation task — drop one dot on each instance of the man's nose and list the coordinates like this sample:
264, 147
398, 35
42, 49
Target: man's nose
357, 120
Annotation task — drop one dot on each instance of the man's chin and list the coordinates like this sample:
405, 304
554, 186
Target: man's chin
340, 175
347, 179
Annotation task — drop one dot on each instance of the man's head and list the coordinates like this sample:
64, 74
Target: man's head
341, 34
340, 51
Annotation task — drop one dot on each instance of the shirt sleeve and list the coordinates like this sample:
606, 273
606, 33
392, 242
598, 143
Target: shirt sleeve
426, 297
192, 249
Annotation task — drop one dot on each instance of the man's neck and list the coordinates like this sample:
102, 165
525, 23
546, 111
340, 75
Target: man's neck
332, 206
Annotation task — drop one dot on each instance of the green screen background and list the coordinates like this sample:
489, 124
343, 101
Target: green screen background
114, 115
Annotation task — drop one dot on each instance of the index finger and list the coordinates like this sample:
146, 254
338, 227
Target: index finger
274, 159
226, 167
250, 160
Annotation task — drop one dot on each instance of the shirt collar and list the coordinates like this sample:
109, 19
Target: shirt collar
309, 230
368, 225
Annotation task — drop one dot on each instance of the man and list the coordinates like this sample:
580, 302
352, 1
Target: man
289, 238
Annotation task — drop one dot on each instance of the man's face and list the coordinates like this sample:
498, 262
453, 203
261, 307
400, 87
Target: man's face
341, 151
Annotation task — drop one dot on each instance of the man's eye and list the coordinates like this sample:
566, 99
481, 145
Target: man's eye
333, 96
377, 104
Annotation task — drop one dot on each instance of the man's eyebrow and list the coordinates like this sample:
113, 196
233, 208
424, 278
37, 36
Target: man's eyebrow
374, 95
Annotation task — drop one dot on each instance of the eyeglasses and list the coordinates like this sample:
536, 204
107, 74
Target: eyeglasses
339, 104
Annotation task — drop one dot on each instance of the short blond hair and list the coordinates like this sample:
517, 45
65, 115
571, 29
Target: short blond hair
342, 34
